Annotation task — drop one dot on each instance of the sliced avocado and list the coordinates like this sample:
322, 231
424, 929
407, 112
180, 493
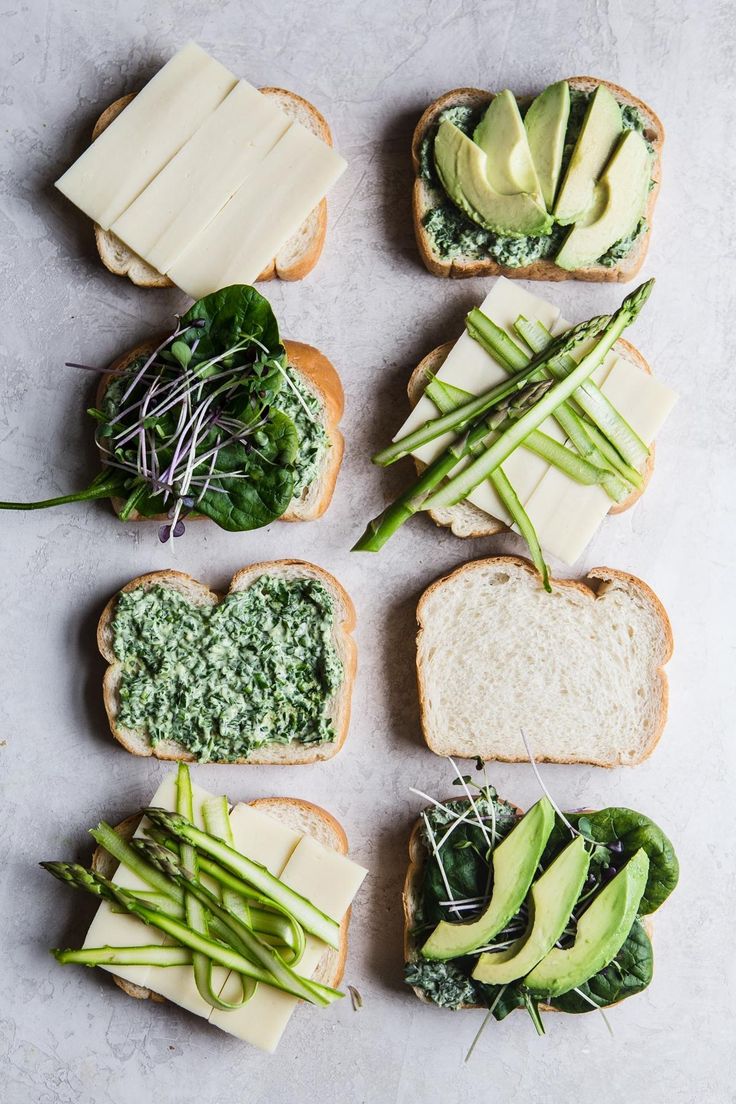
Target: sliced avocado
620, 201
546, 126
552, 900
461, 166
602, 931
502, 137
601, 129
515, 862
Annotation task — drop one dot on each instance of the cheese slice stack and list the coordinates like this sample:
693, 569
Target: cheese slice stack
565, 514
327, 878
202, 175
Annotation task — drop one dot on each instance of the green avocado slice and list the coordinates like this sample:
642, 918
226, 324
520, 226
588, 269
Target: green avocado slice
601, 129
546, 126
620, 201
515, 862
503, 138
553, 898
461, 166
602, 931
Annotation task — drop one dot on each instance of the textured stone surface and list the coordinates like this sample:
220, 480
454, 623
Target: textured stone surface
69, 1035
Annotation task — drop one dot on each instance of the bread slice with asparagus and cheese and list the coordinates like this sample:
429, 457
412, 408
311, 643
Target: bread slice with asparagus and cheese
565, 514
263, 674
301, 844
319, 378
481, 257
297, 256
579, 671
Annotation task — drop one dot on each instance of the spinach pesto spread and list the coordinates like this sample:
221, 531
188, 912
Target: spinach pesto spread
301, 404
260, 667
453, 234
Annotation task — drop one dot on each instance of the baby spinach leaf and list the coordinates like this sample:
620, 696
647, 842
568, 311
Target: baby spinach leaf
229, 315
629, 972
634, 830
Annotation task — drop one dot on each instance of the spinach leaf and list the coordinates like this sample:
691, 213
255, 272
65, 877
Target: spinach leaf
246, 503
629, 972
229, 316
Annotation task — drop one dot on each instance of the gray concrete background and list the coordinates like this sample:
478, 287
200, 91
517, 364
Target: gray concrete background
67, 1035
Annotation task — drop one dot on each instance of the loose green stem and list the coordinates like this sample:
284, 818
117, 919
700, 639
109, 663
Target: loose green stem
461, 485
103, 486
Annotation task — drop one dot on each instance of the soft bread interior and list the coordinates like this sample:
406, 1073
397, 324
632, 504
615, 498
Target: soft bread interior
578, 670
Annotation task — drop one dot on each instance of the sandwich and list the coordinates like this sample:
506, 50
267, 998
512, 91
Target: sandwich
217, 419
262, 674
543, 911
528, 422
235, 913
562, 186
201, 180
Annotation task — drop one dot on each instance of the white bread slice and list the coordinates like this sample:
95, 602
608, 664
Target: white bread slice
467, 520
319, 375
411, 897
137, 743
297, 256
302, 816
579, 671
424, 197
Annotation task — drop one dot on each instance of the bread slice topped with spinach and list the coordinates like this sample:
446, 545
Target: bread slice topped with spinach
561, 186
263, 674
572, 676
547, 911
217, 419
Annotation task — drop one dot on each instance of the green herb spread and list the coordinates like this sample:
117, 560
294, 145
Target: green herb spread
313, 439
258, 668
453, 234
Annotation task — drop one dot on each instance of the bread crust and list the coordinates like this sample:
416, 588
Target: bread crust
323, 379
414, 871
332, 962
281, 754
487, 525
600, 580
122, 261
543, 269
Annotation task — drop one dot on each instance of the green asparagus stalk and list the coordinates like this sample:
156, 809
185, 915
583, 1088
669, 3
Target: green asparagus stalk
311, 918
90, 881
458, 488
245, 940
126, 854
591, 400
194, 911
150, 955
498, 343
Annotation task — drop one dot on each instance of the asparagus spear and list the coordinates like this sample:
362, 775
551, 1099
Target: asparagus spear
310, 917
94, 883
194, 912
153, 955
461, 485
497, 342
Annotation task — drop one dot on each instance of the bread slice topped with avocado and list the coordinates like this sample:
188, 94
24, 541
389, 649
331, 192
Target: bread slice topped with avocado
561, 186
571, 676
543, 911
262, 674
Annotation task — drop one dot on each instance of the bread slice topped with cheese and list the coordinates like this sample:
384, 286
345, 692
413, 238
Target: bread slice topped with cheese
201, 180
296, 842
575, 676
536, 148
262, 674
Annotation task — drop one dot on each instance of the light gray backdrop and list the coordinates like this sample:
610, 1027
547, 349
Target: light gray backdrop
68, 1035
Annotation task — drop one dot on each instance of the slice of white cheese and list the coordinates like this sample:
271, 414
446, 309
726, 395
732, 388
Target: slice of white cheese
113, 929
330, 881
129, 153
197, 183
264, 212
